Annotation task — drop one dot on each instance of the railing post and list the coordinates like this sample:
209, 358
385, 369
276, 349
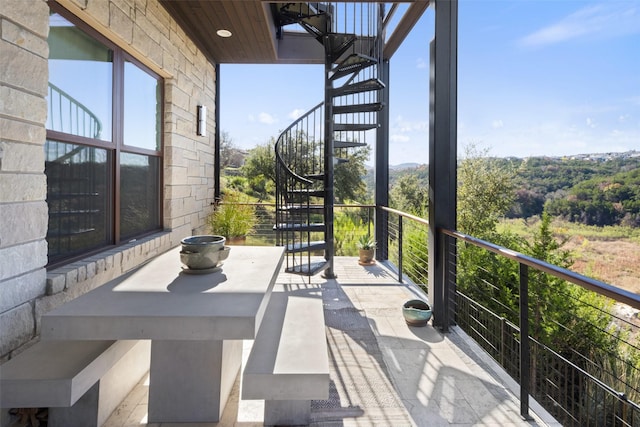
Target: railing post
400, 248
443, 107
382, 168
525, 360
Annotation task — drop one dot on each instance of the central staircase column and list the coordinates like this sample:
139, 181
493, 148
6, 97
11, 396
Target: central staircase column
329, 273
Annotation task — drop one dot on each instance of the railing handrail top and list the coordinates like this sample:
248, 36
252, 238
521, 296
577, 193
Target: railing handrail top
589, 283
413, 217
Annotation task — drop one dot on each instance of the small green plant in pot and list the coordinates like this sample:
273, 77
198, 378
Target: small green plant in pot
366, 248
232, 218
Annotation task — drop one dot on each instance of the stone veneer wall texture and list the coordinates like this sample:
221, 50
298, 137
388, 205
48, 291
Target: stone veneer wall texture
144, 29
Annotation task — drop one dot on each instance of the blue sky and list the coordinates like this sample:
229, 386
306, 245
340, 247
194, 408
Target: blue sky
539, 77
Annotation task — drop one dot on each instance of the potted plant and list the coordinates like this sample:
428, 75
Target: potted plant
233, 218
366, 248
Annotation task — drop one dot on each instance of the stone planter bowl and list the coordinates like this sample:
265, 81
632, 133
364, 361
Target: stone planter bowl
416, 312
203, 252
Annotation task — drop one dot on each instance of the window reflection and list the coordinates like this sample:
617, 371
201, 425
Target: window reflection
78, 194
141, 108
139, 194
80, 82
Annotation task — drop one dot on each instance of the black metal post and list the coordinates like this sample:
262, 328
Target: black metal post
216, 158
442, 153
382, 169
329, 273
525, 361
399, 248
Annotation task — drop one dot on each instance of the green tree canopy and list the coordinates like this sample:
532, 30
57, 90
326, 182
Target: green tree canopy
348, 177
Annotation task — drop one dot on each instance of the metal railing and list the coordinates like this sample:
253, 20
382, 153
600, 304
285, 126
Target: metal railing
579, 382
67, 114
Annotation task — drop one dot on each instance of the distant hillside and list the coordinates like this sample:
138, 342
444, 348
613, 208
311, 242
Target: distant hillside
403, 166
601, 188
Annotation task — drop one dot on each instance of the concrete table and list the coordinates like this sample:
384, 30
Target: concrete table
196, 323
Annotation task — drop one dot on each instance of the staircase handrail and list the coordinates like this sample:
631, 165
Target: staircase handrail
279, 158
74, 102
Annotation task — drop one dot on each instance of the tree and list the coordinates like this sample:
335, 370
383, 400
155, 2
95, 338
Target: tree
409, 195
348, 177
259, 168
485, 192
227, 151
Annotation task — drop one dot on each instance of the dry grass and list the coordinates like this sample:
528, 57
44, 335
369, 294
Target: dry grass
608, 254
615, 262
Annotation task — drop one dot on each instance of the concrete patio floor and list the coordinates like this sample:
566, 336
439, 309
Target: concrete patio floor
383, 372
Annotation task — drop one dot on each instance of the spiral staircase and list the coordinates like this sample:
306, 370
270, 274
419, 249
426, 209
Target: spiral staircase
310, 148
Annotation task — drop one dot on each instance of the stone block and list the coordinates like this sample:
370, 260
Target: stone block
99, 10
56, 283
22, 105
22, 157
11, 130
19, 259
35, 17
17, 327
25, 39
15, 60
22, 289
120, 22
23, 187
71, 277
22, 222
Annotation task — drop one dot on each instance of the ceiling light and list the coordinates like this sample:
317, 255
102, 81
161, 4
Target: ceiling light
224, 33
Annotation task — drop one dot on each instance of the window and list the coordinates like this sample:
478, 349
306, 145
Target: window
103, 154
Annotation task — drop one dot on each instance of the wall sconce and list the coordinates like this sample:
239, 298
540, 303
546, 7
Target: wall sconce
202, 121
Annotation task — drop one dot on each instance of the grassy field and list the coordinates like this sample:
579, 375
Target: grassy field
609, 254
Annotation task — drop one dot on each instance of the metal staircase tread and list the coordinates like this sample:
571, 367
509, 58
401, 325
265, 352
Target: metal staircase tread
310, 269
312, 193
316, 176
352, 64
301, 208
337, 43
319, 245
358, 108
346, 127
359, 87
311, 16
348, 144
339, 160
300, 227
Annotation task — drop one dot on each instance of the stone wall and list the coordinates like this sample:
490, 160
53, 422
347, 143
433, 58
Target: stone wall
146, 31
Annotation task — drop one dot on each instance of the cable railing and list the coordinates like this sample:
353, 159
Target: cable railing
585, 373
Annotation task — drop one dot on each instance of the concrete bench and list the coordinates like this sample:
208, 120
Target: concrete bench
81, 382
289, 365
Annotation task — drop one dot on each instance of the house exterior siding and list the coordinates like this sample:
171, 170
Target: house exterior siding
145, 30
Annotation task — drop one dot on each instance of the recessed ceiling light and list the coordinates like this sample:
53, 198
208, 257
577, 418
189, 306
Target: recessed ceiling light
224, 33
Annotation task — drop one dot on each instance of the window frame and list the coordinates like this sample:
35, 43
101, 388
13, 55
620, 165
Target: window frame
116, 146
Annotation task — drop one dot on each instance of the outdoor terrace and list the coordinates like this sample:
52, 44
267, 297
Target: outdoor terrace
383, 372
386, 373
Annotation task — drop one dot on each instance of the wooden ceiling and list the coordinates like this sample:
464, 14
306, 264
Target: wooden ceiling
253, 39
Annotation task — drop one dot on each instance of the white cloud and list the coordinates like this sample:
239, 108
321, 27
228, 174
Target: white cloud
497, 124
399, 138
601, 21
293, 115
591, 123
421, 63
623, 118
401, 125
266, 118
